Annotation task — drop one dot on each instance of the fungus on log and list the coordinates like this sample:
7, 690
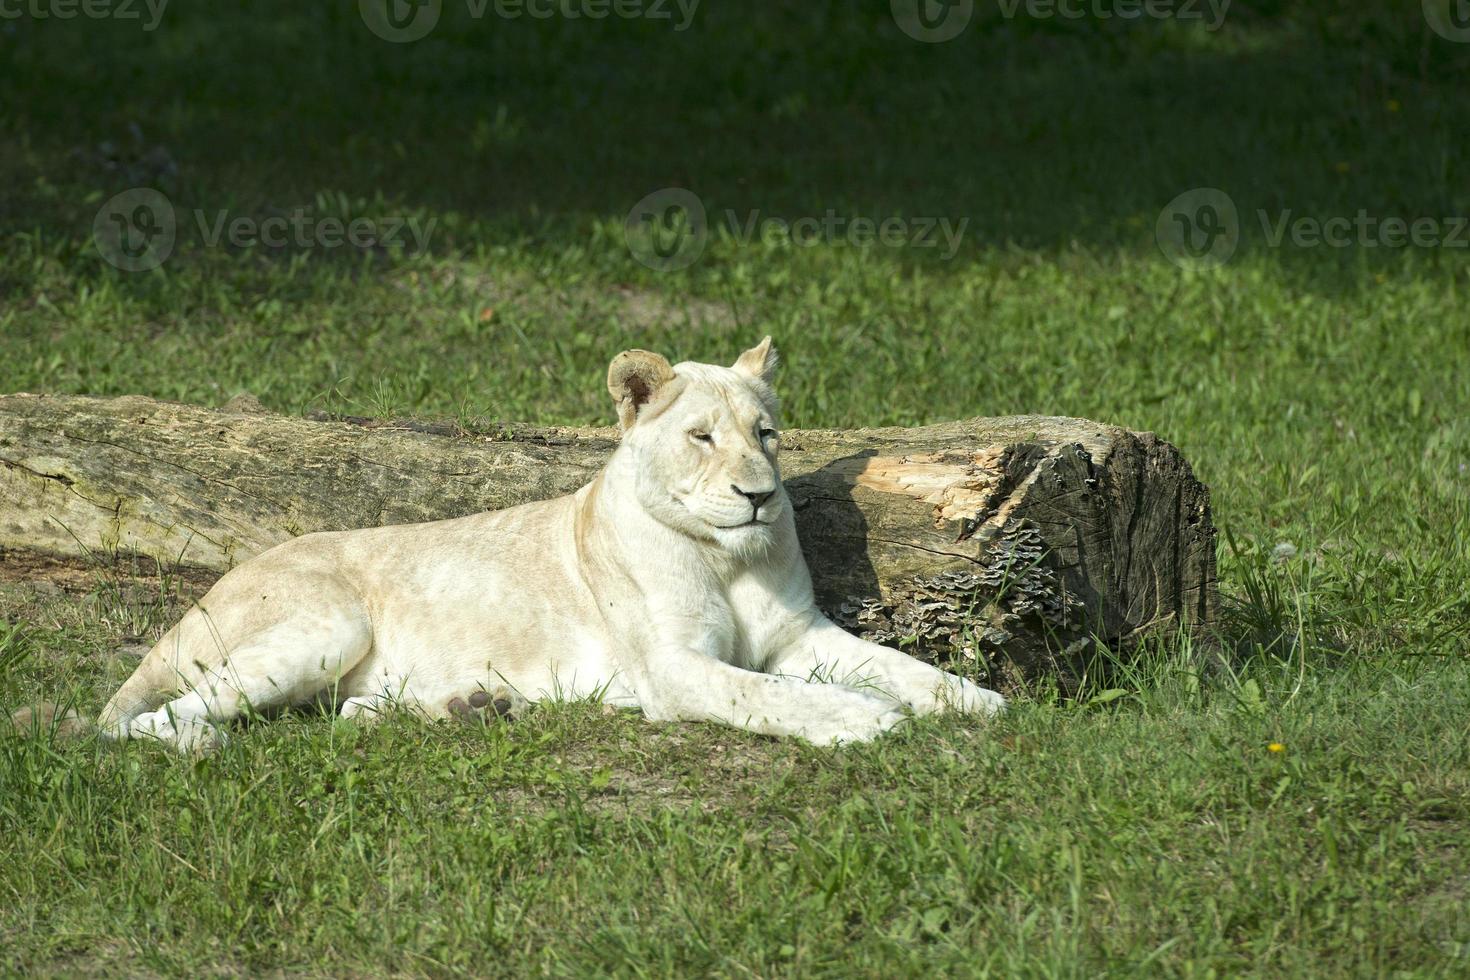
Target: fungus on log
1014, 542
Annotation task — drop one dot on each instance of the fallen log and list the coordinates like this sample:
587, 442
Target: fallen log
1014, 542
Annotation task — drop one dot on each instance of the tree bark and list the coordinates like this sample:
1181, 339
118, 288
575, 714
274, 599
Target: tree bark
1014, 542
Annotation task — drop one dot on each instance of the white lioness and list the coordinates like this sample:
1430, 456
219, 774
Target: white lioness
672, 582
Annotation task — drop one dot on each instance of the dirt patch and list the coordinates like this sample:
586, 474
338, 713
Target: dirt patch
81, 575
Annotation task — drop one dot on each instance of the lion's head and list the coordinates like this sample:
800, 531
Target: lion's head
704, 441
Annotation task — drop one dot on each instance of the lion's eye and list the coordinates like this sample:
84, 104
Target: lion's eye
767, 434
702, 437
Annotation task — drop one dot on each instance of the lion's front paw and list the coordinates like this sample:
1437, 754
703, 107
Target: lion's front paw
972, 699
958, 695
872, 728
861, 718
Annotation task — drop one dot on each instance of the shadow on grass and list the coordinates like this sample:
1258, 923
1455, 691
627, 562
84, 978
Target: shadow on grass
1040, 133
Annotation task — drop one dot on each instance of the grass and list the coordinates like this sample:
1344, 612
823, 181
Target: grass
1323, 393
1157, 830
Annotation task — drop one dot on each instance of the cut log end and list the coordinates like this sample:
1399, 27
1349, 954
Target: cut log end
1039, 549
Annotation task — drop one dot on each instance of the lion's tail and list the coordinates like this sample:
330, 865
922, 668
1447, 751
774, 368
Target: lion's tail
150, 686
48, 717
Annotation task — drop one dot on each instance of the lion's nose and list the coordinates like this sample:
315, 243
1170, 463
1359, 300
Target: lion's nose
756, 497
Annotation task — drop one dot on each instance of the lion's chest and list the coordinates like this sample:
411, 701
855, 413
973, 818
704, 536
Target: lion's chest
743, 622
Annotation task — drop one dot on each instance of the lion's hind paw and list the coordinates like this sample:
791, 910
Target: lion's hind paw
485, 707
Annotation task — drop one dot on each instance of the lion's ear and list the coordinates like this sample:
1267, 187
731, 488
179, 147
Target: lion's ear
633, 377
759, 362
